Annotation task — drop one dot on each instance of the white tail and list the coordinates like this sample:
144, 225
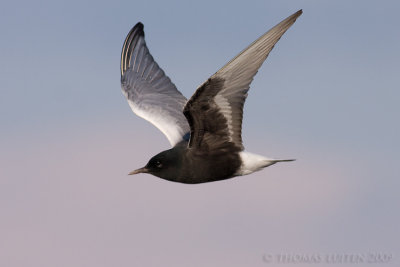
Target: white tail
253, 162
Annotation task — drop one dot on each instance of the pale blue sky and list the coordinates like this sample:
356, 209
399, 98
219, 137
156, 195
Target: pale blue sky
327, 95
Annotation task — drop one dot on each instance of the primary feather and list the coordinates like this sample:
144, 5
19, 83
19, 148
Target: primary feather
223, 95
150, 93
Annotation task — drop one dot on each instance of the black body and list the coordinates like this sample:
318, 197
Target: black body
206, 130
192, 166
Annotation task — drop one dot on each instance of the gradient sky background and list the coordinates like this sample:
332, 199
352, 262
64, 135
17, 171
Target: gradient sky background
328, 95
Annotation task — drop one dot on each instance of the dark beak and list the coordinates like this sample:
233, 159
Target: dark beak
141, 170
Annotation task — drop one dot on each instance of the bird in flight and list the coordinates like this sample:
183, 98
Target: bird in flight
204, 131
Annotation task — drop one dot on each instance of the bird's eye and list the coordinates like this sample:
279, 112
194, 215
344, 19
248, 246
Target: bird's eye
158, 164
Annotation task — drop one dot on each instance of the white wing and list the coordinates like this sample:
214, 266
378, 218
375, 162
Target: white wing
150, 93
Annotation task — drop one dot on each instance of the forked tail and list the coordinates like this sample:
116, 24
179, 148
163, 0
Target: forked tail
253, 162
281, 160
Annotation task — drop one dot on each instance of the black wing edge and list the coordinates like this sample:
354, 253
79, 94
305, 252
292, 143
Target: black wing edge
129, 43
198, 105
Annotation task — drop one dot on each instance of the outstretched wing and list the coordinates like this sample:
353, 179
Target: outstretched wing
215, 111
150, 93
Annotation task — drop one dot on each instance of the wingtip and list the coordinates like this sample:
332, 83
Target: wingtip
139, 25
135, 32
298, 13
137, 29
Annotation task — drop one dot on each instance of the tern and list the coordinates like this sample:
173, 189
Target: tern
204, 131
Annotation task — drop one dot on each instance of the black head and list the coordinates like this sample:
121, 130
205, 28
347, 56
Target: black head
164, 165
